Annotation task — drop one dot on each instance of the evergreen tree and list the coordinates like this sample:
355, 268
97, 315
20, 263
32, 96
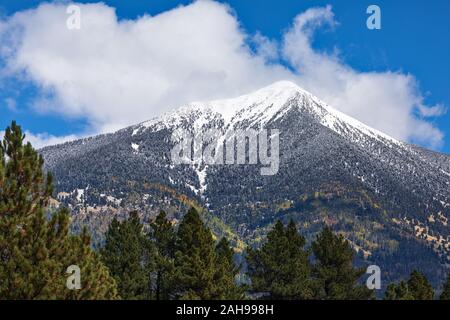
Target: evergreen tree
445, 295
163, 236
194, 259
94, 274
128, 255
226, 272
36, 251
419, 287
281, 268
336, 277
398, 291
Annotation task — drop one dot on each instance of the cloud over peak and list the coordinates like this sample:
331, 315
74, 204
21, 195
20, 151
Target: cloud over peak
119, 72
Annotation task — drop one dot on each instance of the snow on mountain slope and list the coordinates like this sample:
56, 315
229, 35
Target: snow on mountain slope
264, 105
333, 169
303, 119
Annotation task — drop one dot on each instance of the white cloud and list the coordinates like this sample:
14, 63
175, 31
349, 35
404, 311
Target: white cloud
116, 73
388, 101
11, 104
43, 139
121, 72
265, 47
434, 111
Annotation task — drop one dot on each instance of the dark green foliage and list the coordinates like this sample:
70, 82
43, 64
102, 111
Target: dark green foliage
194, 259
419, 287
34, 251
203, 270
334, 271
398, 291
280, 269
445, 295
128, 255
97, 282
163, 236
226, 272
416, 288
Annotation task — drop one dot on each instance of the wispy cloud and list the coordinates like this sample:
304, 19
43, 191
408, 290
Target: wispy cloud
389, 101
43, 139
11, 104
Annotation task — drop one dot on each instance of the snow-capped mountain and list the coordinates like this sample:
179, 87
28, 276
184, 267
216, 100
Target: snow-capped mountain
264, 105
389, 198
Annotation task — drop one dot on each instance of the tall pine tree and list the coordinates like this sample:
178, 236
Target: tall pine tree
194, 259
281, 269
163, 236
36, 251
226, 272
419, 287
336, 277
94, 274
416, 288
398, 291
128, 255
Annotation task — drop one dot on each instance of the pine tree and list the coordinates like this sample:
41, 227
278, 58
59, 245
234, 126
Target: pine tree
445, 295
281, 269
128, 255
94, 273
398, 291
419, 287
163, 236
226, 272
194, 259
336, 277
36, 250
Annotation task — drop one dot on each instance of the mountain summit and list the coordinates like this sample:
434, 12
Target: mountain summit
390, 199
269, 104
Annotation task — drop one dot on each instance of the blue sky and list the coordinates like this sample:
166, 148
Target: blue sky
413, 41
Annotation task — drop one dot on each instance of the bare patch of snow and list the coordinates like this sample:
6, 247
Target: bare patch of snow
80, 194
135, 147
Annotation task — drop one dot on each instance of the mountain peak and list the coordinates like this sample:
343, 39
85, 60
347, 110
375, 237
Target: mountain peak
267, 100
269, 104
282, 85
